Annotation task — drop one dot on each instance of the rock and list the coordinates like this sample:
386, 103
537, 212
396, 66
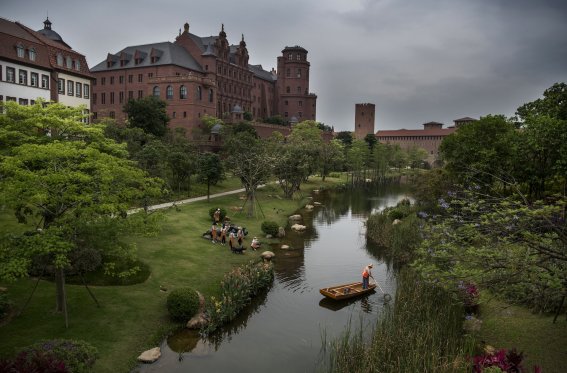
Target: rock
199, 319
396, 222
315, 191
269, 236
309, 207
281, 232
298, 227
317, 203
267, 255
3, 289
295, 217
150, 356
285, 247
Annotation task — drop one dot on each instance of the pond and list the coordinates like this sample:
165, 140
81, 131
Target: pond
285, 328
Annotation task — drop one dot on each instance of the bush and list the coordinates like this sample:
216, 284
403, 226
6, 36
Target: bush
33, 362
4, 304
64, 354
182, 304
270, 227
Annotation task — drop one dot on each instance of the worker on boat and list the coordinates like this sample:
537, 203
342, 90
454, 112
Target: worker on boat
366, 274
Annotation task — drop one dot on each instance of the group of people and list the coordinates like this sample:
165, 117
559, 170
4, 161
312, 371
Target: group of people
234, 235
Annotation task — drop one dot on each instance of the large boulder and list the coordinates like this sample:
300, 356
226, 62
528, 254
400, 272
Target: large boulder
267, 255
150, 356
309, 207
199, 320
285, 247
295, 217
396, 222
298, 227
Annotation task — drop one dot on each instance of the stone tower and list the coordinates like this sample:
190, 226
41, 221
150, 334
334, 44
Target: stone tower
295, 102
364, 120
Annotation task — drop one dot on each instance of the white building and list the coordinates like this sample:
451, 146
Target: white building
39, 64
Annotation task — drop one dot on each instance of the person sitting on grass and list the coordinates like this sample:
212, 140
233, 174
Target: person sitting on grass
255, 244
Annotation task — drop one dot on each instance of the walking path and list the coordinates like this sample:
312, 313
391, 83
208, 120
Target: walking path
184, 201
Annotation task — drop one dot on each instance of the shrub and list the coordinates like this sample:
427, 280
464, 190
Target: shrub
222, 213
33, 362
4, 304
396, 214
67, 355
270, 227
182, 304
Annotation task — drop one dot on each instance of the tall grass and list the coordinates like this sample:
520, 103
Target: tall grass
421, 332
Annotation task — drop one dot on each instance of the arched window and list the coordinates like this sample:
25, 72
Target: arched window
32, 54
59, 59
20, 50
69, 62
156, 91
183, 92
199, 93
211, 94
77, 65
169, 92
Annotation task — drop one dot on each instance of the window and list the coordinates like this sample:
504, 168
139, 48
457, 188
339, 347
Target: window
156, 91
285, 114
298, 57
298, 89
20, 50
69, 62
141, 93
61, 86
77, 65
34, 79
86, 91
121, 79
94, 102
140, 78
102, 81
300, 103
111, 80
23, 77
287, 89
70, 87
211, 95
300, 114
173, 114
59, 59
169, 92
10, 74
112, 114
130, 78
184, 114
183, 92
9, 98
206, 67
111, 98
23, 101
31, 54
289, 57
103, 98
44, 81
150, 75
121, 97
299, 73
130, 95
199, 93
78, 89
286, 103
288, 72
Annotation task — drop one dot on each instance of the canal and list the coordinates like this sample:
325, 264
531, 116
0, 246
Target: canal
284, 329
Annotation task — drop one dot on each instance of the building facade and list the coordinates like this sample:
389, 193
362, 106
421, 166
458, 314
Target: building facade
200, 76
364, 120
39, 64
428, 138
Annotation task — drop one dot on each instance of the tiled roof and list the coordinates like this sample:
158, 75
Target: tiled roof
169, 54
465, 119
259, 72
427, 132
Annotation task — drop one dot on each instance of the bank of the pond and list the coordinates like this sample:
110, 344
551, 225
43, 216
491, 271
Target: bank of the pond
133, 318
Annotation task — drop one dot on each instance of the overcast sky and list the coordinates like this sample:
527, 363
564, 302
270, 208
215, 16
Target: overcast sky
416, 60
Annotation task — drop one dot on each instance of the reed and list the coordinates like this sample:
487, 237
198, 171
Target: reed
421, 332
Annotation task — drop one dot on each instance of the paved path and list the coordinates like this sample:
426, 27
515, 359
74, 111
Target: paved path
184, 201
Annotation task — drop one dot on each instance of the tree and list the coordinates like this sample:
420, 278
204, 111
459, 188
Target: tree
553, 104
148, 113
66, 180
305, 137
210, 170
345, 137
371, 140
331, 157
417, 157
502, 242
291, 167
252, 161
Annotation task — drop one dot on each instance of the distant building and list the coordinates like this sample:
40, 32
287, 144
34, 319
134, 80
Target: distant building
364, 120
429, 138
200, 76
39, 64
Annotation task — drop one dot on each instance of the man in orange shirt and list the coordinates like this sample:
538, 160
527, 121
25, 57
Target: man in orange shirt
366, 274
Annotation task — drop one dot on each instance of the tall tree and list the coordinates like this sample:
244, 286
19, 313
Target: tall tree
210, 170
331, 157
71, 177
148, 113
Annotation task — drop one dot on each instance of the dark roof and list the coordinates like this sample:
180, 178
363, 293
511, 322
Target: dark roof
169, 54
259, 72
465, 119
410, 133
294, 48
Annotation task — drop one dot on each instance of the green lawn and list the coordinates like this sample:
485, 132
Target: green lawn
543, 343
132, 318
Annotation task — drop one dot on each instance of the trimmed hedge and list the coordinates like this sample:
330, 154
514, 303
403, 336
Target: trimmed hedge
182, 304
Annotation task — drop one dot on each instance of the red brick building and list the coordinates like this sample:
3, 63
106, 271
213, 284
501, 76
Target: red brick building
200, 76
364, 120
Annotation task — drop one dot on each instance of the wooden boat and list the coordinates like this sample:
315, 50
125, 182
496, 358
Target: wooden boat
346, 291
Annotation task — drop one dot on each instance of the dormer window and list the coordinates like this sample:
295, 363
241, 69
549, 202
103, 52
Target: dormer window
69, 62
31, 54
59, 59
155, 59
108, 63
20, 50
77, 65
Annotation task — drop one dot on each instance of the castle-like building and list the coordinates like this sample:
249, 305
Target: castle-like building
200, 76
39, 64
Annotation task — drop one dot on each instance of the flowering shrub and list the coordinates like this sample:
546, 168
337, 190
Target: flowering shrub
237, 289
469, 295
34, 362
506, 361
57, 355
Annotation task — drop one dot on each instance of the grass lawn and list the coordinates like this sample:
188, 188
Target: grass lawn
543, 343
134, 318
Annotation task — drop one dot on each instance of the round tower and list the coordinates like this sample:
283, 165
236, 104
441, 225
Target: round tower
364, 120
